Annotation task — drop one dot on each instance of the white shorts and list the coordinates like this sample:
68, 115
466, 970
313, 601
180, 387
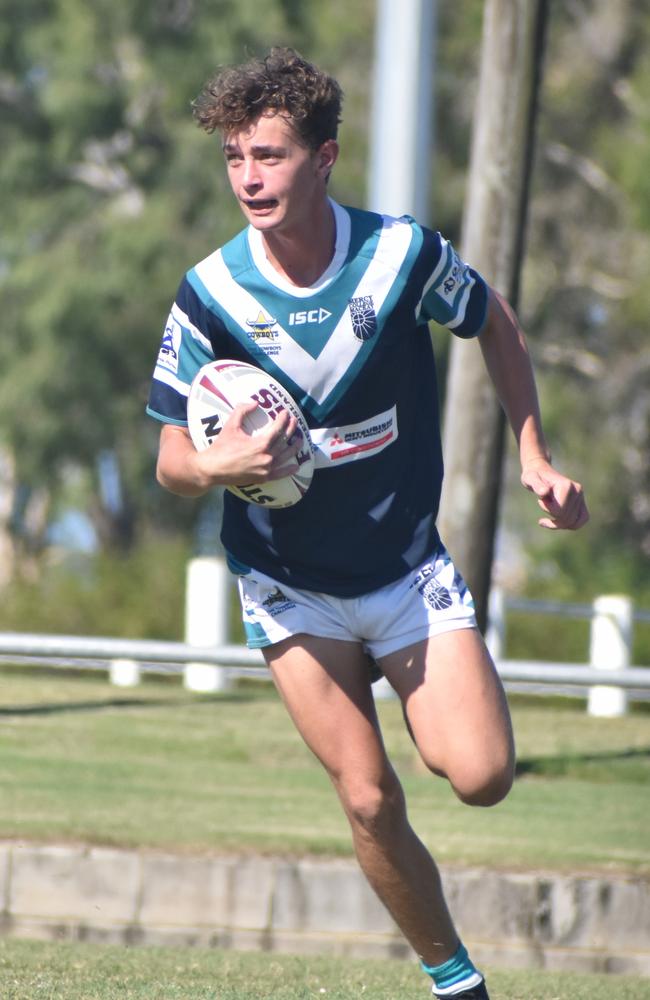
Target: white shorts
430, 599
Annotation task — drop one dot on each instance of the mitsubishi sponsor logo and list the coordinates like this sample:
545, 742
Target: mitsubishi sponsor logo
308, 316
337, 445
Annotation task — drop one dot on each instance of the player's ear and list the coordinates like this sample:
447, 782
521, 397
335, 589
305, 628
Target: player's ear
326, 157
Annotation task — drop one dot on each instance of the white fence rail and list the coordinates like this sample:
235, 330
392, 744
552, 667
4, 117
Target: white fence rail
209, 661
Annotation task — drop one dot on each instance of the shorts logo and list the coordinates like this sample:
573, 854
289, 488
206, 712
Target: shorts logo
276, 602
433, 592
363, 316
436, 595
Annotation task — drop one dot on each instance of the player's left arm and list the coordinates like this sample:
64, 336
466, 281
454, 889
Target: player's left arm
508, 362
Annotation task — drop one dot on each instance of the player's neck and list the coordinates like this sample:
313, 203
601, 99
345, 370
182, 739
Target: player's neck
303, 253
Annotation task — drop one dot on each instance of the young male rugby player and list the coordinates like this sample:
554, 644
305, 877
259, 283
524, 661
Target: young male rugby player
335, 303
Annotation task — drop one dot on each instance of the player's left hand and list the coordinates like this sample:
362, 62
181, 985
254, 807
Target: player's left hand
560, 498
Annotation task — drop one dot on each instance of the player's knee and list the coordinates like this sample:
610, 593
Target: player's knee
373, 809
484, 786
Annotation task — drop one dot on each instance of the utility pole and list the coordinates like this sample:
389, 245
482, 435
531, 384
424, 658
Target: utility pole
401, 148
492, 242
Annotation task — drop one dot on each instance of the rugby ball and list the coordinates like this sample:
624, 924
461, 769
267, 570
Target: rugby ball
216, 390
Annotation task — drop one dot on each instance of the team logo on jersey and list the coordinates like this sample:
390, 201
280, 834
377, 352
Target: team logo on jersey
170, 346
263, 327
363, 316
455, 278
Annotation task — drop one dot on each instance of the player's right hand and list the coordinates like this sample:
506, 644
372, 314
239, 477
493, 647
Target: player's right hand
237, 457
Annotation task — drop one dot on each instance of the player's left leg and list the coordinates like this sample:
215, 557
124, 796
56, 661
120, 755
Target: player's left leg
457, 712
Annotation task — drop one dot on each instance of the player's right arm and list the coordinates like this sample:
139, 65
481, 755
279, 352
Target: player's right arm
234, 458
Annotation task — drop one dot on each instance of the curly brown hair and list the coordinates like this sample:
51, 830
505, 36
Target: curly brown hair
282, 83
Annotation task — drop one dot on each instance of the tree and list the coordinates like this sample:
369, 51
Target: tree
110, 183
113, 193
585, 291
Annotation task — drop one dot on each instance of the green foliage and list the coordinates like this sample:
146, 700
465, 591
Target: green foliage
586, 298
139, 594
113, 193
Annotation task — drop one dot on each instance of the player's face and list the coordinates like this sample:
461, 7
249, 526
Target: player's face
277, 180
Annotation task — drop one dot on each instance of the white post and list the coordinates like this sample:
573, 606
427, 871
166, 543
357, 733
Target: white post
124, 673
382, 690
495, 635
206, 619
402, 108
610, 649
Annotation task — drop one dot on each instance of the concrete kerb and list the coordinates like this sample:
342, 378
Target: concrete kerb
585, 922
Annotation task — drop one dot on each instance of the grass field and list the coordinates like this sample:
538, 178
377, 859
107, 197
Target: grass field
161, 767
35, 971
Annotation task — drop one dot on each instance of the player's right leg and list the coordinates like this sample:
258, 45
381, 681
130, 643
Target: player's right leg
325, 686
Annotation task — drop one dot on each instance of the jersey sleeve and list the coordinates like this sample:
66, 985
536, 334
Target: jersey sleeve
455, 295
185, 347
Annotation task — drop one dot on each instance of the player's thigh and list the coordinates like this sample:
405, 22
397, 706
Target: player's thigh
457, 711
325, 686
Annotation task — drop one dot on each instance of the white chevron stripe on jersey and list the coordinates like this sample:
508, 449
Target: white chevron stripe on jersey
317, 377
440, 267
238, 303
462, 305
164, 375
183, 320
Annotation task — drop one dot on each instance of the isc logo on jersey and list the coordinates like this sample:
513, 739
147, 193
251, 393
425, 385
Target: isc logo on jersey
308, 316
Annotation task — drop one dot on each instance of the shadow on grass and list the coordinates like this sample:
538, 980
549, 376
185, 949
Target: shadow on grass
101, 704
633, 765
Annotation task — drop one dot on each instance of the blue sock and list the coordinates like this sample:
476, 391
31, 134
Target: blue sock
458, 973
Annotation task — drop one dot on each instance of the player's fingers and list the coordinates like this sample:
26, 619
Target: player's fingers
236, 418
283, 434
571, 518
536, 483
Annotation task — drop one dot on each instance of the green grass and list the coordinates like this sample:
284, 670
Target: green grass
30, 970
156, 766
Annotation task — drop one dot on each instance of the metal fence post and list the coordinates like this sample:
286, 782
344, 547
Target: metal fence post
207, 619
124, 673
610, 649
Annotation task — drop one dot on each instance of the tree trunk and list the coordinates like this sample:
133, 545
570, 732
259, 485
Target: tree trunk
492, 242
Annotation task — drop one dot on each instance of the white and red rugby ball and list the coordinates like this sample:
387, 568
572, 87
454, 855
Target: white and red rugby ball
216, 390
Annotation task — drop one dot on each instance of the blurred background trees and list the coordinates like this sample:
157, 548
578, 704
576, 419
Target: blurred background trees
110, 192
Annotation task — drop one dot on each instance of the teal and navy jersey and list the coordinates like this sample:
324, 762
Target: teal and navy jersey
354, 350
